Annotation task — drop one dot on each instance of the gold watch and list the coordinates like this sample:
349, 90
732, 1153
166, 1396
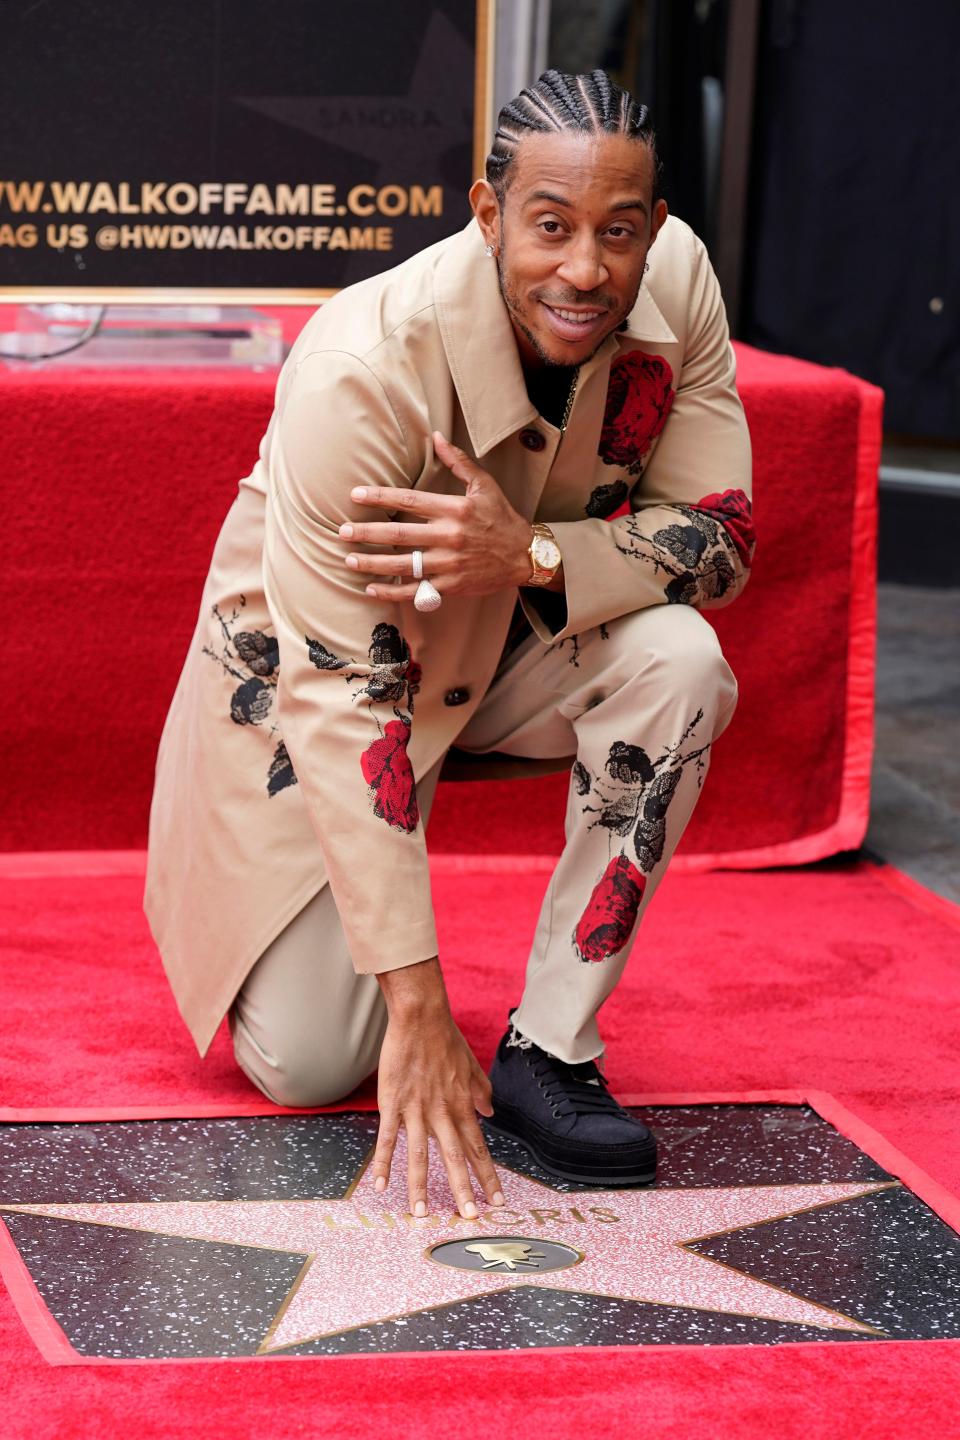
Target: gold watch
545, 557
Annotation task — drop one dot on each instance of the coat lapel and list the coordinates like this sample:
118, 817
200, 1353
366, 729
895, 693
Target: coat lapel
478, 340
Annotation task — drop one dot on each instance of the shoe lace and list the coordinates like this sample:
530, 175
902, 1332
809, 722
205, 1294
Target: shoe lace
580, 1095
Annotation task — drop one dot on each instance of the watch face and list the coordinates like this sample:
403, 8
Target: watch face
546, 552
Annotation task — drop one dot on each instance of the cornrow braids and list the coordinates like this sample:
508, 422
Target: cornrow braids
591, 103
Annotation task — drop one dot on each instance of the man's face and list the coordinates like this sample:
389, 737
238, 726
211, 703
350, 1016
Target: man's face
572, 239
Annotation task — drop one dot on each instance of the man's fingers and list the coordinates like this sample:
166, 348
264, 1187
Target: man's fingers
417, 502
435, 562
394, 532
418, 1160
455, 1160
482, 1092
401, 592
383, 1154
479, 1156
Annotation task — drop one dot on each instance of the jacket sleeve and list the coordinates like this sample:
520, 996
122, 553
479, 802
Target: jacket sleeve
347, 680
689, 536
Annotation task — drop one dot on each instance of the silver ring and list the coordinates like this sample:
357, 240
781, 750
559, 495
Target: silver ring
418, 564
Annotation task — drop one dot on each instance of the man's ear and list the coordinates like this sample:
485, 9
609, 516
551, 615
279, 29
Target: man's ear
483, 200
657, 219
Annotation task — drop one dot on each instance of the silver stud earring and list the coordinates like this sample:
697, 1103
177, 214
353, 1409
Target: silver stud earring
489, 250
646, 267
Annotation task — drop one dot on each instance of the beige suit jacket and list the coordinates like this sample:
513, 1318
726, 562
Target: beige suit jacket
305, 711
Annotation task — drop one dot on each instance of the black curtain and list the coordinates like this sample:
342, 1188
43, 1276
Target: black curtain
853, 252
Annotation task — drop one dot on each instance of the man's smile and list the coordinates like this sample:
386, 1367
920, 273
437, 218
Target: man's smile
571, 323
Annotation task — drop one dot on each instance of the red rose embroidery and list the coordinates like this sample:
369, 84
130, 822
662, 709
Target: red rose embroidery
733, 510
639, 397
387, 770
605, 925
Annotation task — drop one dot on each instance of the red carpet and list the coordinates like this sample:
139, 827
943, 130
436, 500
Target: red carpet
834, 979
123, 480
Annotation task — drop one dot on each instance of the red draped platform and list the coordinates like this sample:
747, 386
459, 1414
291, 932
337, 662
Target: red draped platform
116, 485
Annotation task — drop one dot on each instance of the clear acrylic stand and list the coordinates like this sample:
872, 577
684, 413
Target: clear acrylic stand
143, 335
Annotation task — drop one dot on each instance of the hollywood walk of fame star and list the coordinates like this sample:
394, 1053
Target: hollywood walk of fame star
365, 1263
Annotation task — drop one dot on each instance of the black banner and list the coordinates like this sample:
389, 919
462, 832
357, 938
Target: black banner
254, 150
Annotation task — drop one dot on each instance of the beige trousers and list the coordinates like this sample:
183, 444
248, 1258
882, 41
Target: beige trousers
639, 701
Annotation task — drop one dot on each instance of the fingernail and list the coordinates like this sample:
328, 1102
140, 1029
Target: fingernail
420, 1208
346, 530
498, 1197
469, 1211
352, 561
359, 492
371, 590
380, 1183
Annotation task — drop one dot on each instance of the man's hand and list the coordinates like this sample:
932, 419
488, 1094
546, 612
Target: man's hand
473, 544
429, 1081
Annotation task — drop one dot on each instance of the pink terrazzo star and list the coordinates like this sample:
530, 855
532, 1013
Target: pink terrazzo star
366, 1263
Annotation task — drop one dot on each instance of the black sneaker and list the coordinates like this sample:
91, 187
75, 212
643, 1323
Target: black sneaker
567, 1119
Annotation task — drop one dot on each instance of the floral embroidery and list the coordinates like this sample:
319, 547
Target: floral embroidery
253, 658
280, 774
734, 512
631, 798
607, 498
258, 650
696, 556
581, 778
322, 658
387, 770
250, 703
605, 925
639, 397
394, 680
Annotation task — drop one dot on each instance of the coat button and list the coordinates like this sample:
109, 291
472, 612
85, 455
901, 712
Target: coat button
532, 440
456, 697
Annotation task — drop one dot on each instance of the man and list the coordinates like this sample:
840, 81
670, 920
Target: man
449, 441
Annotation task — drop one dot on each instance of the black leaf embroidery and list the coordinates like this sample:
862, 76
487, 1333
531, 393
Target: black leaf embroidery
258, 650
607, 498
629, 763
582, 778
634, 792
280, 774
322, 657
649, 839
250, 703
719, 576
252, 657
686, 542
695, 555
621, 816
387, 645
660, 794
682, 589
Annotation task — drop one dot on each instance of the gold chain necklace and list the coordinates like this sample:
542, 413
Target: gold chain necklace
569, 405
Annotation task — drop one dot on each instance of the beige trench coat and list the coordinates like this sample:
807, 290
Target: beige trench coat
306, 710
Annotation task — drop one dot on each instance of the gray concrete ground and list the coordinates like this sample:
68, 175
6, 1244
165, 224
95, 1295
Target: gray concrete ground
915, 796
